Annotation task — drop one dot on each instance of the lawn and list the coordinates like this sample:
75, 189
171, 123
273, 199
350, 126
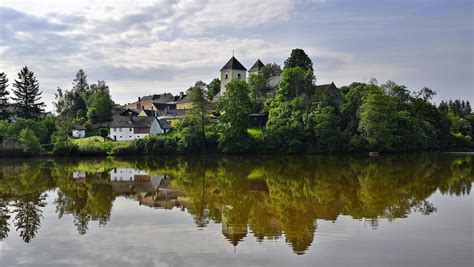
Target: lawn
96, 143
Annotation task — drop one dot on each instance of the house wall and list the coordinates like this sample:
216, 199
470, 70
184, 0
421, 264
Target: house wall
78, 133
125, 134
155, 128
128, 134
232, 74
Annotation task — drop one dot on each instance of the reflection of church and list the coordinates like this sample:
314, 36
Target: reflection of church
233, 232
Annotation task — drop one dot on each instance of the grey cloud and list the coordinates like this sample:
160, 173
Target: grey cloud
14, 20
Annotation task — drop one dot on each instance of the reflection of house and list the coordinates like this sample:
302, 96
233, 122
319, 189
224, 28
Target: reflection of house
79, 175
129, 174
148, 190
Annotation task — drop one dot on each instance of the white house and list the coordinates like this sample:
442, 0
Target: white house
79, 131
129, 128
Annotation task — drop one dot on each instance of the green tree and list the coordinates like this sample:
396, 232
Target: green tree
295, 82
30, 142
236, 106
192, 127
327, 131
80, 84
99, 102
3, 96
270, 70
377, 115
299, 58
213, 88
27, 95
257, 86
104, 132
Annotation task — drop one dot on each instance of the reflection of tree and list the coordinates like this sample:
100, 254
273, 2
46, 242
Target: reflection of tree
4, 217
270, 197
28, 215
86, 202
287, 195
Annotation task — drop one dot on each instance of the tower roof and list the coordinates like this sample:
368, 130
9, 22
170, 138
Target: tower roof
257, 66
233, 64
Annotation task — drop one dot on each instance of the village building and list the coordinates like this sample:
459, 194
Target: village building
135, 127
79, 131
233, 69
256, 68
147, 102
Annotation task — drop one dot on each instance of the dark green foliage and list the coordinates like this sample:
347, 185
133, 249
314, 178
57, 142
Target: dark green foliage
236, 106
3, 96
40, 129
31, 144
270, 70
65, 148
213, 88
377, 118
157, 145
27, 95
104, 132
258, 91
99, 102
192, 127
299, 58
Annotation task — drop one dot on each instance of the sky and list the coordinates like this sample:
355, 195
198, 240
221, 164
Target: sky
146, 47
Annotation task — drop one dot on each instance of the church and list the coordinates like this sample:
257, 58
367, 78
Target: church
233, 69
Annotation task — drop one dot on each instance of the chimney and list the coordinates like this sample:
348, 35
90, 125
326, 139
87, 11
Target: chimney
139, 99
181, 94
130, 117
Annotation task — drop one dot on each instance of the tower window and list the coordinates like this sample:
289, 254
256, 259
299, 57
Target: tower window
226, 76
238, 75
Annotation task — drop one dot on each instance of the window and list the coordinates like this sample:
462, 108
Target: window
226, 76
238, 75
130, 129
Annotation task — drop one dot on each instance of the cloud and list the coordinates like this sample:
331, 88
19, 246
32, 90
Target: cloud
152, 46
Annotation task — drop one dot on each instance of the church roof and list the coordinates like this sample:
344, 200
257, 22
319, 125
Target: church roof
257, 66
233, 64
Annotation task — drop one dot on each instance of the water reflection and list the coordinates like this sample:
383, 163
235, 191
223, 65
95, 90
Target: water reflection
267, 197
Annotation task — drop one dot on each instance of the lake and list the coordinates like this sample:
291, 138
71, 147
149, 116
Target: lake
391, 210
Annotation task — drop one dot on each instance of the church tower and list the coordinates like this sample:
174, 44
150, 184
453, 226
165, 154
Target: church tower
256, 68
233, 69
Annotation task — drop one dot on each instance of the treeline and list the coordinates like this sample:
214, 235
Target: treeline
25, 128
301, 119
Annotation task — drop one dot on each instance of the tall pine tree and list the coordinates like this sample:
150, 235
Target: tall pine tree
27, 95
3, 96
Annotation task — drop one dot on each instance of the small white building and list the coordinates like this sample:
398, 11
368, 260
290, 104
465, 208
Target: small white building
79, 131
129, 128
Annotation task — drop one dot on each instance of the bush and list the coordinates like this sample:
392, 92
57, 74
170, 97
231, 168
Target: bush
104, 132
32, 146
61, 148
156, 145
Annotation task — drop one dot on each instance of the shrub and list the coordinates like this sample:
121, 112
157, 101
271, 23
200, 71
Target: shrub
104, 132
31, 143
61, 148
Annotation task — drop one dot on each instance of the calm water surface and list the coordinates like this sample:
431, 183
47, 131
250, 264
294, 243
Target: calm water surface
405, 210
